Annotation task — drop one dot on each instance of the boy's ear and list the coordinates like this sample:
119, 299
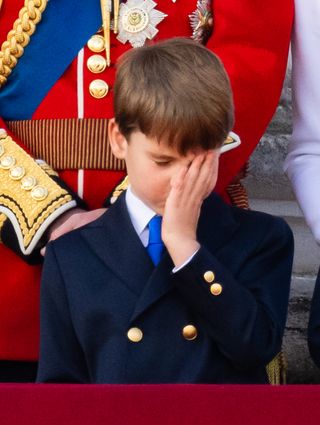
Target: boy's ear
117, 140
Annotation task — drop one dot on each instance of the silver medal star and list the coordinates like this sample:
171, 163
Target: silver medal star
137, 21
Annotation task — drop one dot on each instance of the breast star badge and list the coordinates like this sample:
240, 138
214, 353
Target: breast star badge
137, 21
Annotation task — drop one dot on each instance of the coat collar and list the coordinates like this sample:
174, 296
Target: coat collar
128, 259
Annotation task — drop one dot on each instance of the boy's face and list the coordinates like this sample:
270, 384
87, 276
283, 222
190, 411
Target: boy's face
151, 165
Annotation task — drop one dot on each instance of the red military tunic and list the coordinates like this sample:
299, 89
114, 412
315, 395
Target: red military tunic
250, 37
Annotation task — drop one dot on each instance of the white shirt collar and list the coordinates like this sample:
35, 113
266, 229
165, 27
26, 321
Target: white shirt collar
140, 215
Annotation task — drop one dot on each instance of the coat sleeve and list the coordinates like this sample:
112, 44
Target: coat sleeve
61, 356
31, 197
245, 312
303, 161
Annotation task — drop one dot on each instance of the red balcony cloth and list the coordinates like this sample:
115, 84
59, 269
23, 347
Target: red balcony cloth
50, 404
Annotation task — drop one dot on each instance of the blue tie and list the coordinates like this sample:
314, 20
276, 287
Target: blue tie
155, 244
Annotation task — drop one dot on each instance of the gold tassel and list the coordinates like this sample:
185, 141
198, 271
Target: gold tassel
277, 370
106, 12
116, 6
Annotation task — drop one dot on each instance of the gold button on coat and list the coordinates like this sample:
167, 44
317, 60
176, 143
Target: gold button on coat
190, 332
39, 193
135, 334
16, 173
209, 276
7, 162
28, 182
98, 89
216, 289
96, 43
96, 64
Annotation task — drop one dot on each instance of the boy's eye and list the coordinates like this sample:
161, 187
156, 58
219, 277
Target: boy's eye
162, 163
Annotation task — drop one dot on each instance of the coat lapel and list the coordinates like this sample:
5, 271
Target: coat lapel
114, 240
158, 284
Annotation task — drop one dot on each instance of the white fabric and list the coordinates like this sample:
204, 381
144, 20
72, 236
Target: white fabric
80, 101
176, 269
303, 161
140, 215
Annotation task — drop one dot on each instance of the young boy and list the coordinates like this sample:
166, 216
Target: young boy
211, 307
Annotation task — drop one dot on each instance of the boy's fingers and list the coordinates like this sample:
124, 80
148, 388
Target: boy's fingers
194, 171
179, 178
213, 179
195, 182
177, 185
205, 171
211, 173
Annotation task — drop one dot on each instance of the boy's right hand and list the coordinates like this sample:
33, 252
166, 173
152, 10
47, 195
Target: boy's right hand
189, 187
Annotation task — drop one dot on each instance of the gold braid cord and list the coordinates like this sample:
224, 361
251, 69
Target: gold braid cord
19, 37
29, 197
277, 370
238, 195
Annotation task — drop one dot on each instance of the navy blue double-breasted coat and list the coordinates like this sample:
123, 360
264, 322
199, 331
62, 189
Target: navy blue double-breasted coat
99, 283
314, 324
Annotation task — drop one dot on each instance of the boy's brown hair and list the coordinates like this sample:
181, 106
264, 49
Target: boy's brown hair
176, 90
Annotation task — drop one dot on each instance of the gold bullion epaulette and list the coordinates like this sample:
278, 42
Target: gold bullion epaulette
30, 196
231, 142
